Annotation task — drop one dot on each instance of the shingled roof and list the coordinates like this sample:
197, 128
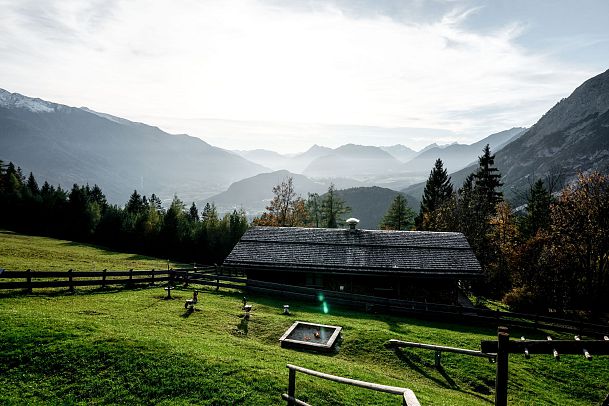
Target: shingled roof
355, 251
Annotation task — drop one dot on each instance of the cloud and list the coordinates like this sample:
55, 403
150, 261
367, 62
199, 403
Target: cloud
246, 60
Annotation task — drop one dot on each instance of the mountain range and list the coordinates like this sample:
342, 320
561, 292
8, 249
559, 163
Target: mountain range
458, 156
572, 137
66, 145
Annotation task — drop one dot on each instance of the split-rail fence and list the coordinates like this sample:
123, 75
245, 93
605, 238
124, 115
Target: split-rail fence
215, 277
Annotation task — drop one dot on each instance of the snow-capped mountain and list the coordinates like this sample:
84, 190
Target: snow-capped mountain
66, 145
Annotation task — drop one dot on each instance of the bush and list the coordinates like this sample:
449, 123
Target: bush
520, 300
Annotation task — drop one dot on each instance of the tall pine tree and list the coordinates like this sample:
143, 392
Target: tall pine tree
438, 190
488, 179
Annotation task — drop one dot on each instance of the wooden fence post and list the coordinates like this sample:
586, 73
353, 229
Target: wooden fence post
152, 275
438, 359
186, 279
292, 386
29, 281
104, 279
501, 379
217, 277
70, 282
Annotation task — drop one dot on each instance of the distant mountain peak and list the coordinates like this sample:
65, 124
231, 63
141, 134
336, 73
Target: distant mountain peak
19, 101
317, 148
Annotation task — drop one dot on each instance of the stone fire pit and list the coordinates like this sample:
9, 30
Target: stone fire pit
311, 336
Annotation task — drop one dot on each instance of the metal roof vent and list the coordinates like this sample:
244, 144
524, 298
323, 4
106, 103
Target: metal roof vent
352, 222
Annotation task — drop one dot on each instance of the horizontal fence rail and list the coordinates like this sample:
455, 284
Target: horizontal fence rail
408, 396
439, 349
9, 280
214, 277
503, 347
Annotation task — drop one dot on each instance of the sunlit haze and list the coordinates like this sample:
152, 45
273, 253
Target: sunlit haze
287, 75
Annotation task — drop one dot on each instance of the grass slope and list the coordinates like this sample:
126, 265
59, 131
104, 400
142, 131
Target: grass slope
132, 346
20, 252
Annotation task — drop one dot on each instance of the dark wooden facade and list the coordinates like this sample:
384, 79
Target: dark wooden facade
412, 265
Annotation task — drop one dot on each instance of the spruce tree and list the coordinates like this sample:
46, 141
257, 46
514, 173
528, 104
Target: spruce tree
438, 190
32, 185
399, 216
332, 209
135, 205
193, 213
538, 209
488, 179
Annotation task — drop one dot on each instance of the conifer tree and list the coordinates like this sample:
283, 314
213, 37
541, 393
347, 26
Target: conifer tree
488, 179
210, 214
155, 202
538, 209
313, 206
438, 190
32, 185
333, 208
193, 213
135, 205
399, 216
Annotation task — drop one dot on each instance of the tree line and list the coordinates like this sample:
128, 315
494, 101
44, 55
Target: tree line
553, 252
142, 225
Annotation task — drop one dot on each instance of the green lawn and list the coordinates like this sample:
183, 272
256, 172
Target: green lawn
132, 346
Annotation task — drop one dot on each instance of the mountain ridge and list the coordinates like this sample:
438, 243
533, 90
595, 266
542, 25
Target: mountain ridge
66, 145
571, 137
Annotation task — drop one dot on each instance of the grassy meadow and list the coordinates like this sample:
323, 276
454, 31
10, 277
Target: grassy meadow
20, 252
133, 346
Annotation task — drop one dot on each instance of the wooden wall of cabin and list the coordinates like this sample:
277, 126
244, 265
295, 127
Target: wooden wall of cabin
432, 290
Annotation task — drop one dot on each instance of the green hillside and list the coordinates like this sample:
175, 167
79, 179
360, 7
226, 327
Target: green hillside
132, 346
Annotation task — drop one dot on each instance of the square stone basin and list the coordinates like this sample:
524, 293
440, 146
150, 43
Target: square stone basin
311, 336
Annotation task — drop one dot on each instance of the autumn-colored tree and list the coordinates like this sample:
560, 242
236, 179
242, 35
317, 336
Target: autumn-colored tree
504, 238
285, 210
579, 240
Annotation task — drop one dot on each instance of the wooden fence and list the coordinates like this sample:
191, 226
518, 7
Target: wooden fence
408, 396
29, 280
213, 276
429, 310
503, 347
439, 349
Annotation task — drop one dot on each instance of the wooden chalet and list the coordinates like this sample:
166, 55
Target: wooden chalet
413, 265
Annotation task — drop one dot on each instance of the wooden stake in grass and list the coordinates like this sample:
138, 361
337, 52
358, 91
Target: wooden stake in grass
586, 353
556, 355
526, 350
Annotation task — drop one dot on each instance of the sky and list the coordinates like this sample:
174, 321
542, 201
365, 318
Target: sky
284, 75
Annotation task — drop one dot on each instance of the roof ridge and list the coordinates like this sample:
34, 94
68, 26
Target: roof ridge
421, 245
